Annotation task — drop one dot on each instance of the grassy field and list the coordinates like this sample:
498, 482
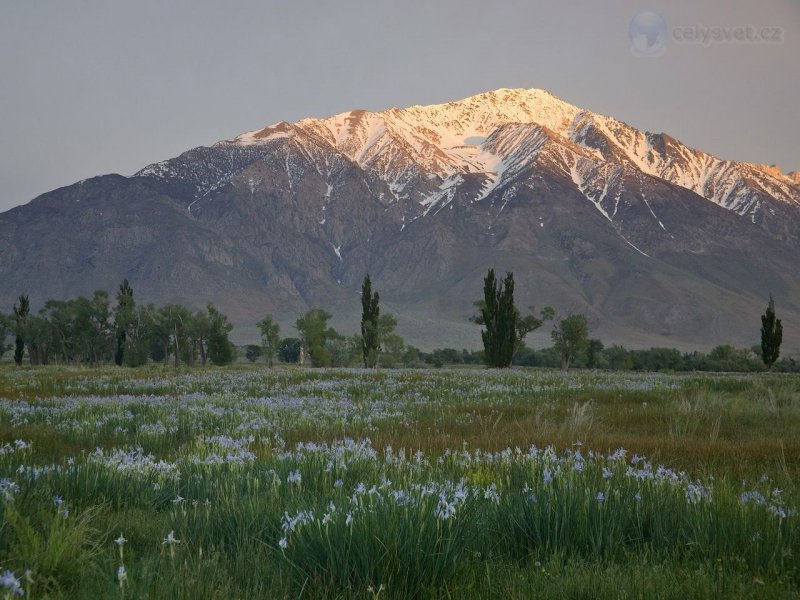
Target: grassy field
285, 483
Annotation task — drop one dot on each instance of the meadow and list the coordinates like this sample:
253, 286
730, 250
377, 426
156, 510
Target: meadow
246, 482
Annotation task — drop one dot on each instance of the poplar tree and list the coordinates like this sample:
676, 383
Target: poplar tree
506, 327
122, 318
21, 312
500, 318
771, 335
370, 316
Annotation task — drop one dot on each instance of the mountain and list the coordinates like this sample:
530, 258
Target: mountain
656, 242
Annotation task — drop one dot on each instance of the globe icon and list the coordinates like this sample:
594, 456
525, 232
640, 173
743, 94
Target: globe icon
648, 34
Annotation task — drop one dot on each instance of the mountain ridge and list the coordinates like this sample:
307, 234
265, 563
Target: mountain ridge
401, 146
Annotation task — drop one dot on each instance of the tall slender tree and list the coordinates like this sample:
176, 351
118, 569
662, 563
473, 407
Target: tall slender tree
123, 315
270, 337
771, 335
500, 317
508, 318
21, 311
487, 316
370, 316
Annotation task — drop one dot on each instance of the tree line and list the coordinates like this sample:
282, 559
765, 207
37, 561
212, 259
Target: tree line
505, 327
723, 358
94, 331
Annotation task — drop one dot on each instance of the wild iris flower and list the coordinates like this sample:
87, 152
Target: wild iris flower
11, 583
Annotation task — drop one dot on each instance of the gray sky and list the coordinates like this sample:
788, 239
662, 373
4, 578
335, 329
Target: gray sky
92, 87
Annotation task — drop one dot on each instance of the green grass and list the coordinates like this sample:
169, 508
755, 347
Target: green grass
398, 484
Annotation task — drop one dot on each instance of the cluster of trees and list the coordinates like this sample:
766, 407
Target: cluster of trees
93, 331
320, 345
288, 351
505, 329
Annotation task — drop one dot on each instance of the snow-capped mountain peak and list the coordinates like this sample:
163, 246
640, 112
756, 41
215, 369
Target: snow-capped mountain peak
444, 138
498, 136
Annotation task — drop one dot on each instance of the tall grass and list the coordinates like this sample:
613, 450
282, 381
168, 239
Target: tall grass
245, 483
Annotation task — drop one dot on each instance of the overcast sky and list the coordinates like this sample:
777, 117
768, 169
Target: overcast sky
93, 87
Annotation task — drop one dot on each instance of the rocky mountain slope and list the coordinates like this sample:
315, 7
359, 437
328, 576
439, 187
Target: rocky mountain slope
657, 242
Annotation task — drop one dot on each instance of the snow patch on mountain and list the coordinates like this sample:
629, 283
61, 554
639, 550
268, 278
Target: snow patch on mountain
443, 196
736, 186
581, 173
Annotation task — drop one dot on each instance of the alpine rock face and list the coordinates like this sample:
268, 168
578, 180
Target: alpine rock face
656, 242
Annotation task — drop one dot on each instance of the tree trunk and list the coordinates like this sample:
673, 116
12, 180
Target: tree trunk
33, 354
177, 357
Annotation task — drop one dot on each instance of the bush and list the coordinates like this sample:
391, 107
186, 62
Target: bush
252, 352
289, 350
